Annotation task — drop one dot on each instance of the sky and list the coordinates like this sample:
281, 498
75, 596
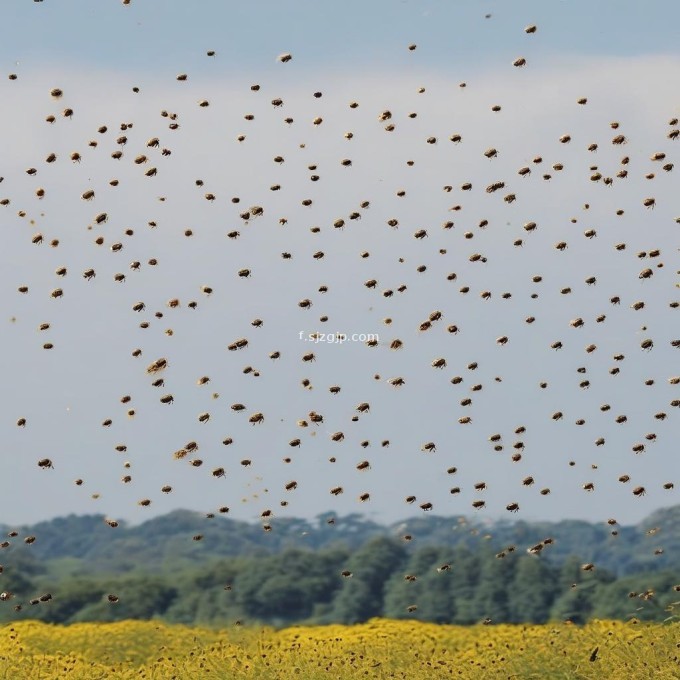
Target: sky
621, 56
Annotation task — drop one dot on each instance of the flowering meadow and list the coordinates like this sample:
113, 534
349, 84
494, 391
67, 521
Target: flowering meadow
380, 648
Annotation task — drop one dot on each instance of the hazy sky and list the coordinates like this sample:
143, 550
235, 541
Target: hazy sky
622, 56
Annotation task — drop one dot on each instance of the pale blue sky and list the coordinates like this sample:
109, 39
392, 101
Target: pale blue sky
622, 55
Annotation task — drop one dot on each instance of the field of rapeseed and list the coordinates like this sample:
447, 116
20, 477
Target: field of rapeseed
377, 649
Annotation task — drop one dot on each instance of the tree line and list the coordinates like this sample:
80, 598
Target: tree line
382, 577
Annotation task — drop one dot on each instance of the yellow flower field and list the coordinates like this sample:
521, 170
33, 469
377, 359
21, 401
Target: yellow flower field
376, 649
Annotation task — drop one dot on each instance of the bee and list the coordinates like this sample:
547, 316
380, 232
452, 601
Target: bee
256, 418
639, 491
156, 366
494, 187
45, 464
426, 507
478, 505
337, 436
429, 447
337, 490
439, 363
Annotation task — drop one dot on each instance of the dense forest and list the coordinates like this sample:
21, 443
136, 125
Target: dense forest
184, 567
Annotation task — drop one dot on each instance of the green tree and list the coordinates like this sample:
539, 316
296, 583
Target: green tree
492, 593
362, 596
464, 580
532, 591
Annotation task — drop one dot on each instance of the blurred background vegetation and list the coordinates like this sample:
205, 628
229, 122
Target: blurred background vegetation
236, 571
